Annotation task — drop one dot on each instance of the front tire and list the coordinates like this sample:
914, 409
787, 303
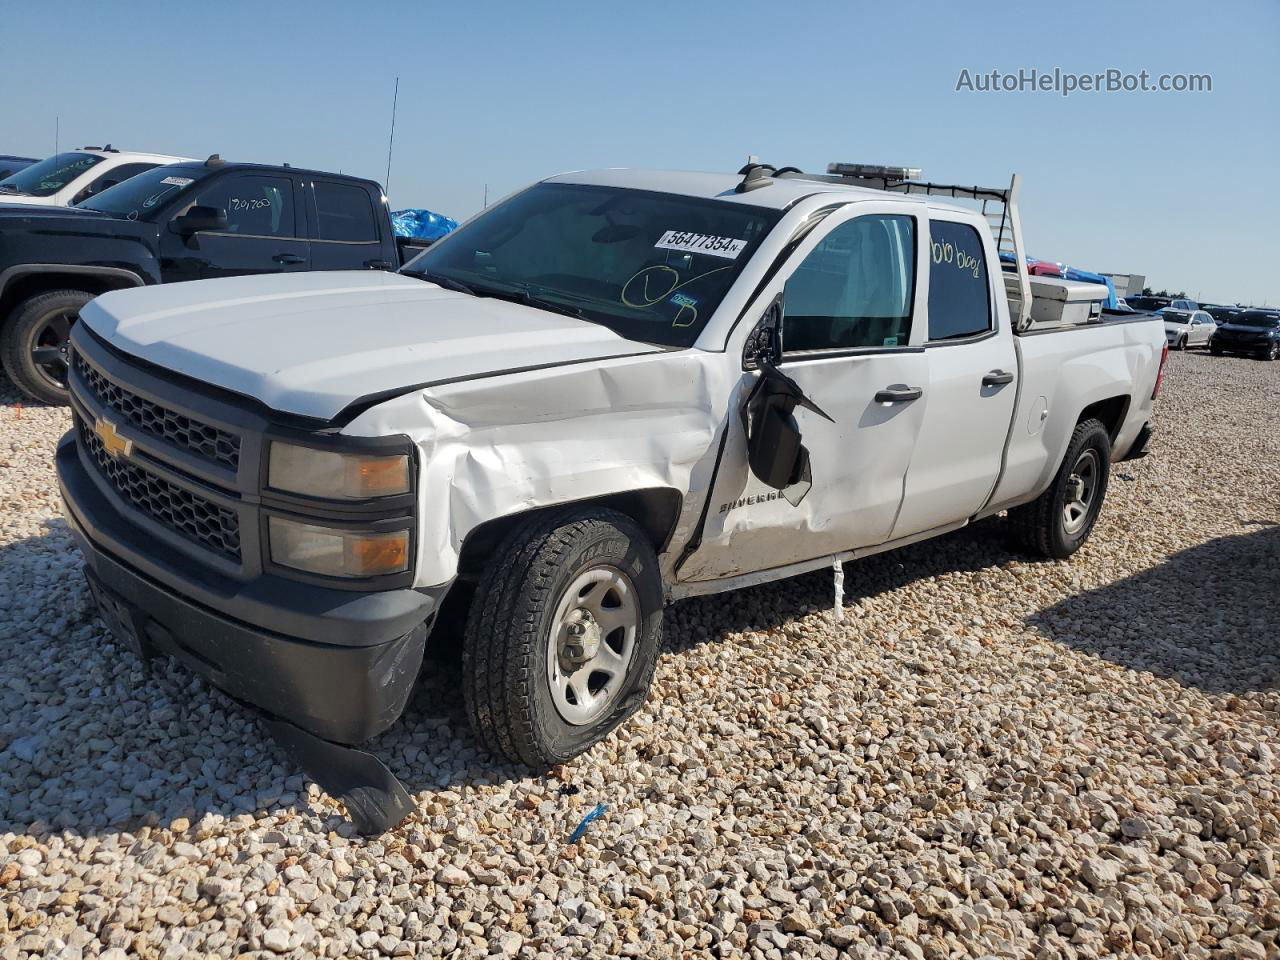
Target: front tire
1273, 351
1181, 344
563, 636
34, 347
1058, 522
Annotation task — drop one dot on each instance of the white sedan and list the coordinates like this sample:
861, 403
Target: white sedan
1187, 328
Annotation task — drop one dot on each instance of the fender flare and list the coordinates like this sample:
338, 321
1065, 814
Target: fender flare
131, 278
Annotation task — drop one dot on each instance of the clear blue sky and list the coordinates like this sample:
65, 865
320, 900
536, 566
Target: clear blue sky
1178, 186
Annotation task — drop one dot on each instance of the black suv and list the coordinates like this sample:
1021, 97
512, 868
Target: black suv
183, 221
1256, 332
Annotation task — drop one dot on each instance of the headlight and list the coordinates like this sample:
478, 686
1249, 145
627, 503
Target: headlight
333, 552
336, 476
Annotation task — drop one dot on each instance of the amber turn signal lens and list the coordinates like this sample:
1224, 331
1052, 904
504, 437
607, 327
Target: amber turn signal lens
332, 552
380, 554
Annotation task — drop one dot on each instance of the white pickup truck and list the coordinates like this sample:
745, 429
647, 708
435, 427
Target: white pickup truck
610, 391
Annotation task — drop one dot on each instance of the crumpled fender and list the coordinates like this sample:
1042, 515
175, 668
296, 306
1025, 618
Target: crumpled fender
494, 446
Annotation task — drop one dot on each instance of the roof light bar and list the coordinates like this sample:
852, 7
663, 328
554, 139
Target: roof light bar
873, 171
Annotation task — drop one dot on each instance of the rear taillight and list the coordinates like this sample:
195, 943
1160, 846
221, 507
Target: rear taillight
1164, 356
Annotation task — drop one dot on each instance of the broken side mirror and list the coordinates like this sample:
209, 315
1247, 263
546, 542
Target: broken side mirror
774, 452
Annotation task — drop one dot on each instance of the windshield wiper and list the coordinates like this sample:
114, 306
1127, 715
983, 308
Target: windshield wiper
529, 299
441, 281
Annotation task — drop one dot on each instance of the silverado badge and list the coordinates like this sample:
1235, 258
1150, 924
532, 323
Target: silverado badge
115, 445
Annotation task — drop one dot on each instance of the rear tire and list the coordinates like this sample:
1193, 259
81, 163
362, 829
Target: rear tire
34, 344
1216, 351
1058, 522
563, 636
1273, 351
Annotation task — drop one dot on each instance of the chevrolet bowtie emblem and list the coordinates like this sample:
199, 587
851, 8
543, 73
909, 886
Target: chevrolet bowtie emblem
115, 445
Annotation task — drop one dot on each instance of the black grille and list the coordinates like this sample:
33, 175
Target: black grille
180, 510
200, 438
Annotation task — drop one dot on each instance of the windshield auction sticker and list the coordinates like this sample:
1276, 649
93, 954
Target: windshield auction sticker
177, 181
726, 247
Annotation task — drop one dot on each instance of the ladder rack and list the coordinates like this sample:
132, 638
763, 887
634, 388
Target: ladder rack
999, 206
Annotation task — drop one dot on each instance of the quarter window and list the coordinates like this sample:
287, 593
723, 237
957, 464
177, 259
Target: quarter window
854, 289
959, 288
344, 213
255, 206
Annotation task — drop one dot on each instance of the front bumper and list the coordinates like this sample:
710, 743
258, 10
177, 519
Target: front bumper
317, 697
347, 687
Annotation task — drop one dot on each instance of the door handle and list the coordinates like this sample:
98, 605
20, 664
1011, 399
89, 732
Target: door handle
899, 393
378, 264
288, 258
997, 378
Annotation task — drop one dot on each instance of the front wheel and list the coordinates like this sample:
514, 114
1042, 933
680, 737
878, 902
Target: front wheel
1181, 344
1059, 521
1273, 351
563, 636
36, 343
1215, 350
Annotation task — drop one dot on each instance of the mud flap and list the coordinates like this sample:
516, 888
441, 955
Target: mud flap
376, 801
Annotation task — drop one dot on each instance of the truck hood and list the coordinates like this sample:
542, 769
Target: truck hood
313, 343
24, 213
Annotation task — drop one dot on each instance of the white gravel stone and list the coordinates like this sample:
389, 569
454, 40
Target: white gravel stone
991, 756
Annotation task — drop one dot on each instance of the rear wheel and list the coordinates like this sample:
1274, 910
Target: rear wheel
563, 636
1273, 351
35, 345
1215, 350
1060, 520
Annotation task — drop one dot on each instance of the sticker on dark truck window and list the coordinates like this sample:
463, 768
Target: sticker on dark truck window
726, 247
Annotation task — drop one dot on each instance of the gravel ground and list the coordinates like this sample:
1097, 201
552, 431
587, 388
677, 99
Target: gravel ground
989, 757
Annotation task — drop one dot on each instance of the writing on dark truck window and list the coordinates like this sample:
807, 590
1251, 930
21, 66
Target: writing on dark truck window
854, 289
344, 212
651, 266
47, 177
256, 206
959, 288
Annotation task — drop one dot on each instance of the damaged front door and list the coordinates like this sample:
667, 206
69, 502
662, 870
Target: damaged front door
846, 347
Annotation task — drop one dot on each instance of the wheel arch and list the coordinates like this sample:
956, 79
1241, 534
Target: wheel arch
656, 510
1110, 412
22, 282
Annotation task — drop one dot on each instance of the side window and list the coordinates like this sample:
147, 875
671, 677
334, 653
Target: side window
256, 206
959, 290
855, 288
344, 212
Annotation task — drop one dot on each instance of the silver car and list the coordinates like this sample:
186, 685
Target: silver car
1187, 328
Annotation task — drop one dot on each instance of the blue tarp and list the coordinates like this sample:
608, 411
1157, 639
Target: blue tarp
421, 224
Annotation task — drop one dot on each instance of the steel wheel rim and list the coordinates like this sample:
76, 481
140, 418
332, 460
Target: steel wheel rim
591, 644
1082, 487
50, 346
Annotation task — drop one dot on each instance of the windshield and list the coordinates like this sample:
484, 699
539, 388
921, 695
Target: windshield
1257, 320
1147, 303
47, 177
650, 266
135, 197
1176, 317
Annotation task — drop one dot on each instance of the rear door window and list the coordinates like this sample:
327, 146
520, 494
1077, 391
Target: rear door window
344, 212
959, 288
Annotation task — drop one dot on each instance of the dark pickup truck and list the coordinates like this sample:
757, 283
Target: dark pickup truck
184, 221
